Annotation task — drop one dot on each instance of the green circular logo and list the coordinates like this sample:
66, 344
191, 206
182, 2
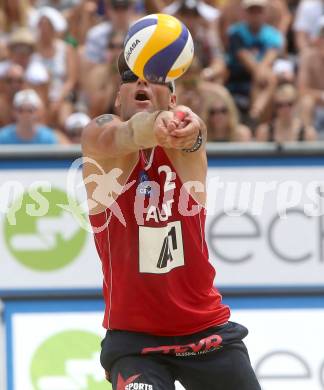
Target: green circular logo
40, 233
69, 361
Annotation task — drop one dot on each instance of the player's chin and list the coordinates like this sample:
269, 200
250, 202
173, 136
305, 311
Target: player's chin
148, 107
144, 106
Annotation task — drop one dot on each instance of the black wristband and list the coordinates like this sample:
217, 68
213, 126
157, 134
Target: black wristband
196, 145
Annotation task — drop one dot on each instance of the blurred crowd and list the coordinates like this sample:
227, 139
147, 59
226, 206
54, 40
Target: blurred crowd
256, 74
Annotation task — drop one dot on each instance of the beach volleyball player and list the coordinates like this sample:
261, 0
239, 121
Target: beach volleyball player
165, 320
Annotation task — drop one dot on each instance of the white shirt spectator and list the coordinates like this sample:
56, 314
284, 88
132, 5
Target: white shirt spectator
36, 72
97, 42
308, 15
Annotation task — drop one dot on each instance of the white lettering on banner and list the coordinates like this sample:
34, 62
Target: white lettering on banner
273, 249
285, 346
10, 192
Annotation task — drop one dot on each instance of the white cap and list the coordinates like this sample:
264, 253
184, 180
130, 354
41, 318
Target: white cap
36, 73
205, 10
283, 66
28, 97
54, 16
254, 3
77, 120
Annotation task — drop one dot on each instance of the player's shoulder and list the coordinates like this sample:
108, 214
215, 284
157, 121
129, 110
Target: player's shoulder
96, 126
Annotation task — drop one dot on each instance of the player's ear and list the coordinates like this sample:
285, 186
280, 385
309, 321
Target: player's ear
117, 101
172, 101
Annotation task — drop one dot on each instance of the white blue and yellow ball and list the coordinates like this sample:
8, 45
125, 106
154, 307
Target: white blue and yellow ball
158, 48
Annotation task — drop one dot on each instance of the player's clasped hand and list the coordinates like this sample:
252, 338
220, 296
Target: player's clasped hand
174, 132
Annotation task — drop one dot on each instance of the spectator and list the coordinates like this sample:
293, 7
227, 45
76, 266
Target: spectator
311, 82
253, 48
201, 20
222, 118
26, 129
81, 19
59, 58
284, 71
277, 14
286, 124
74, 125
102, 83
306, 23
120, 14
189, 87
14, 14
37, 78
21, 46
12, 82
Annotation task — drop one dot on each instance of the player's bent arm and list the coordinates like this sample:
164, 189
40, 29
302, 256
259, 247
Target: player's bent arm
109, 137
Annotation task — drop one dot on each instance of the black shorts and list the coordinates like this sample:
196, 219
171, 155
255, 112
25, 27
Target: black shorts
214, 359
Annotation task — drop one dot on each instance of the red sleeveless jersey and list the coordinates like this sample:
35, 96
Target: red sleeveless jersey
151, 241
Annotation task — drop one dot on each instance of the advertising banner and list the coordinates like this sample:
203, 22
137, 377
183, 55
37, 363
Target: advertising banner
265, 225
2, 351
42, 242
55, 345
265, 228
285, 340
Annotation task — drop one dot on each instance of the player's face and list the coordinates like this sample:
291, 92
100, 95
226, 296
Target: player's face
140, 95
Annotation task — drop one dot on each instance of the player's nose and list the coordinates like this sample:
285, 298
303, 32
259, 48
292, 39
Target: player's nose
141, 82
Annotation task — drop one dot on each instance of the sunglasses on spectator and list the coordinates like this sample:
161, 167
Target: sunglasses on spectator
22, 49
285, 104
217, 111
129, 77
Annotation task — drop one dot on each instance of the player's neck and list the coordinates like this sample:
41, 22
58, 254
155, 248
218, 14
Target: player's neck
147, 153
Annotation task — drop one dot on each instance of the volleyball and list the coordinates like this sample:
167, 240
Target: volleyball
158, 48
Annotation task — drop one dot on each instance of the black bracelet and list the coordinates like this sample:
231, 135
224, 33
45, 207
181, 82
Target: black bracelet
196, 145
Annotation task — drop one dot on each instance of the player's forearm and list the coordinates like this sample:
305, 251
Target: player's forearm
140, 133
126, 137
